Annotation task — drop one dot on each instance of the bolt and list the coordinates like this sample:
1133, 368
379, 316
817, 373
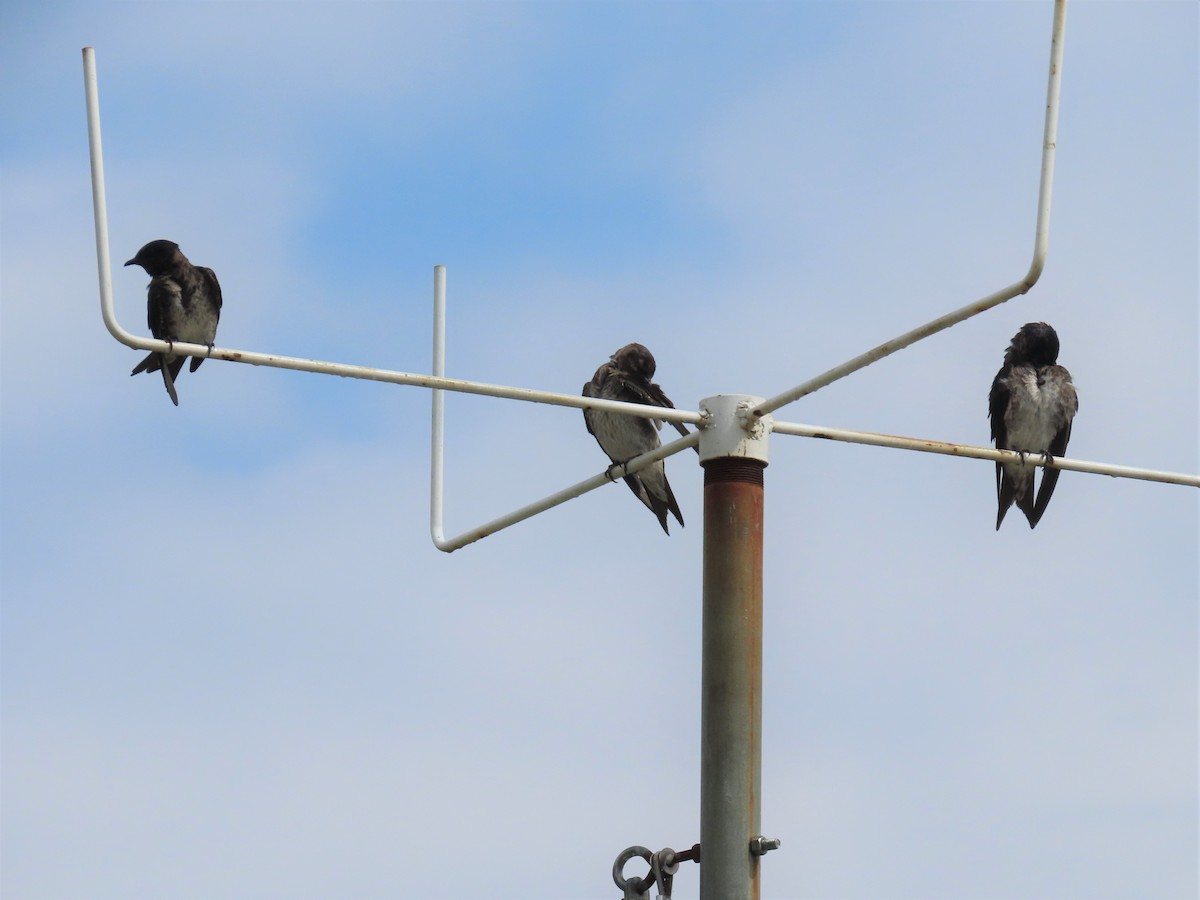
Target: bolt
760, 845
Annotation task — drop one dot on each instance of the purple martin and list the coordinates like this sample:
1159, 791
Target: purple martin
183, 303
626, 376
1031, 405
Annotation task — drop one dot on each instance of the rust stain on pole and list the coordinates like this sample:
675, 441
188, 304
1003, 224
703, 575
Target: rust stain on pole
731, 703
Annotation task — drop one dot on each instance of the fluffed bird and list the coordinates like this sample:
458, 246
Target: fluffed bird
183, 303
626, 376
1031, 404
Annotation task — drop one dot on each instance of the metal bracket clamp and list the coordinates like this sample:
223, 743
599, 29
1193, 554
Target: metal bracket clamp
731, 430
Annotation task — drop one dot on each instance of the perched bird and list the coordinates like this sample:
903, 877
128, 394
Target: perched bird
183, 303
626, 376
1031, 405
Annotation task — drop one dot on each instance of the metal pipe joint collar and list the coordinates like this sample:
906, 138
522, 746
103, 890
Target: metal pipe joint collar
731, 431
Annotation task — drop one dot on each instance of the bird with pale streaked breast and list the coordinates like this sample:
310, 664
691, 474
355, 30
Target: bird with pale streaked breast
1032, 404
183, 303
627, 376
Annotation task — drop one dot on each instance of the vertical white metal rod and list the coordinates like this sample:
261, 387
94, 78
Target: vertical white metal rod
99, 203
1041, 239
439, 410
438, 445
1041, 243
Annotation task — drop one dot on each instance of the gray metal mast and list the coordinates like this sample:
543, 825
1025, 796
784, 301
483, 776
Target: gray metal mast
731, 672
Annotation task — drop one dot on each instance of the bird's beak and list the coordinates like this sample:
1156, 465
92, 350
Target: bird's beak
131, 262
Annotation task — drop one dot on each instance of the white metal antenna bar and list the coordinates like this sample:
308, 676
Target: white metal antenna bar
438, 442
1041, 243
969, 450
99, 203
449, 545
295, 363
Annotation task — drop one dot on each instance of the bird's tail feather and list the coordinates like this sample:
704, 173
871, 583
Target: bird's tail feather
673, 506
1025, 502
1005, 492
1045, 492
169, 380
152, 363
653, 503
1015, 486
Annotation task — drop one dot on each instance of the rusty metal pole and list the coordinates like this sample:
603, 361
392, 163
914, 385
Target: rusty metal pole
733, 451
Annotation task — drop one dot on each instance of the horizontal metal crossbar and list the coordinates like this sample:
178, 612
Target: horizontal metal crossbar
320, 367
367, 373
614, 473
924, 445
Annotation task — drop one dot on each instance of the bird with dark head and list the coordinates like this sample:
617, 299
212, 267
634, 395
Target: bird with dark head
183, 303
626, 376
1032, 404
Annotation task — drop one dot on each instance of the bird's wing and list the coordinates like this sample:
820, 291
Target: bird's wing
158, 306
998, 398
672, 505
1058, 447
214, 287
655, 504
635, 390
1050, 476
647, 392
651, 394
589, 390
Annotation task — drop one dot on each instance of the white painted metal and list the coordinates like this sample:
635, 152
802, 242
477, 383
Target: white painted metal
733, 431
969, 450
736, 434
1041, 244
296, 363
437, 466
616, 472
100, 203
438, 428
